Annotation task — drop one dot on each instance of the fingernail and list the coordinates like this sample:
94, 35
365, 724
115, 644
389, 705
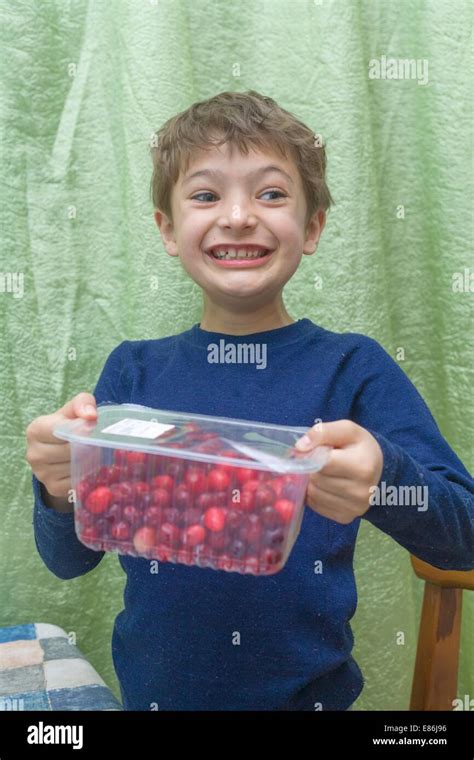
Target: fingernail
304, 443
89, 409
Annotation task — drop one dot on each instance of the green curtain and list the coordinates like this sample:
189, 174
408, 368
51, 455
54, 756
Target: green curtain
84, 85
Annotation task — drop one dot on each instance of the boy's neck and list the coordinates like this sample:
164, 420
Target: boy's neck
238, 322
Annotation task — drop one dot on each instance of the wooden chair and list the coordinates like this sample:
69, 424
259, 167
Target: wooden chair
435, 677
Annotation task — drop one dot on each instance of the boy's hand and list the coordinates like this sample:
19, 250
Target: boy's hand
49, 457
340, 491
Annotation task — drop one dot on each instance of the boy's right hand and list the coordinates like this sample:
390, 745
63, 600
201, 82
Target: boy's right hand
49, 457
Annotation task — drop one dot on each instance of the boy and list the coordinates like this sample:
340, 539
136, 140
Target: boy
240, 192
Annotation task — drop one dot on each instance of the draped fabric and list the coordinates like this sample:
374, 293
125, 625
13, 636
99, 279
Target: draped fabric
83, 86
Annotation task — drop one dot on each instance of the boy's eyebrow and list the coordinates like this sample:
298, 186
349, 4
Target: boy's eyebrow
218, 174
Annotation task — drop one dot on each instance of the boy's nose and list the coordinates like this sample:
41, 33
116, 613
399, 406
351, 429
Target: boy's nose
237, 216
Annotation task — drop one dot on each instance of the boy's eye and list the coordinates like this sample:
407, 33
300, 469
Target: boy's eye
196, 197
274, 192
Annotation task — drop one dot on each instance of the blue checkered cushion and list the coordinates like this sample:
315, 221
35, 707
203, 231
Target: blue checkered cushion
41, 670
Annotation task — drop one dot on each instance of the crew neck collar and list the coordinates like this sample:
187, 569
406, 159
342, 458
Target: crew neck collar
286, 334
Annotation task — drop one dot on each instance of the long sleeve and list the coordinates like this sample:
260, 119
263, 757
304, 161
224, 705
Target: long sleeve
425, 500
55, 537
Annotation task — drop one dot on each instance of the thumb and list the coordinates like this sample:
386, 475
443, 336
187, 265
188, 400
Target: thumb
82, 405
336, 434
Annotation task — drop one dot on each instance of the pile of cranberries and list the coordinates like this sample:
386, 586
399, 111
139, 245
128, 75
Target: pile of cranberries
174, 509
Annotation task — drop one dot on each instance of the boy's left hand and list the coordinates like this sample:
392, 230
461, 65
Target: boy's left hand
340, 491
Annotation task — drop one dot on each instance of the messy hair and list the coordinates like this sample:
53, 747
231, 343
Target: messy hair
242, 119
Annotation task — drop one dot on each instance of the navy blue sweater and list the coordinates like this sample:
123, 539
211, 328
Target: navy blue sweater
174, 644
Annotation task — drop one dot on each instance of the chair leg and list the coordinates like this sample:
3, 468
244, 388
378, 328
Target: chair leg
435, 678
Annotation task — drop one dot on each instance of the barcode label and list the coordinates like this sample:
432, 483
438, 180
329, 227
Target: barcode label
138, 428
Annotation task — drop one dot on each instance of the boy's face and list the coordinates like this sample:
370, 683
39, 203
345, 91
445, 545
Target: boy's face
241, 204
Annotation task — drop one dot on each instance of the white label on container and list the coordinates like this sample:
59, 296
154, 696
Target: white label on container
138, 428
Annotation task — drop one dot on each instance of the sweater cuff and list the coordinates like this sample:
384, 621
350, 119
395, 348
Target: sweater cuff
48, 514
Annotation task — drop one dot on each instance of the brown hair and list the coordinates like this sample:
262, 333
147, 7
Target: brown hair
240, 118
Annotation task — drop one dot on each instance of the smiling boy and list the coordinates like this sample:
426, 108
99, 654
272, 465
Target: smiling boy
240, 196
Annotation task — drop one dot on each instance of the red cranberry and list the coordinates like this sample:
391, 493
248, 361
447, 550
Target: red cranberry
235, 520
131, 514
121, 531
196, 480
136, 464
269, 517
90, 534
244, 474
217, 541
114, 513
220, 499
140, 488
247, 501
168, 534
271, 556
98, 500
174, 469
83, 488
190, 516
120, 456
251, 532
84, 518
286, 509
163, 553
204, 500
135, 457
161, 497
122, 493
274, 538
144, 539
218, 479
251, 485
172, 515
277, 485
182, 497
229, 454
214, 519
114, 474
162, 481
153, 515
194, 535
264, 496
146, 500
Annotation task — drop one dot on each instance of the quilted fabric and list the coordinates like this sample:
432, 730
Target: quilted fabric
41, 670
83, 87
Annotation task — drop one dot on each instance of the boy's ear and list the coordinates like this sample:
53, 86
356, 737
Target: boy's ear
167, 233
313, 231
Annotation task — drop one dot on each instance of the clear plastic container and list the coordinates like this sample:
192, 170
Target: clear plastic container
214, 492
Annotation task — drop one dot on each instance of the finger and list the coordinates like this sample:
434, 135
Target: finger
54, 473
59, 488
343, 464
337, 434
342, 487
55, 452
327, 505
82, 405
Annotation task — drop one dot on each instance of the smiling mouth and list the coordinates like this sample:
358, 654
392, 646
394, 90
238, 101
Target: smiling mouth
239, 255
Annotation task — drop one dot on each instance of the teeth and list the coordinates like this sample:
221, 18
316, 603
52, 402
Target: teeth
241, 253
